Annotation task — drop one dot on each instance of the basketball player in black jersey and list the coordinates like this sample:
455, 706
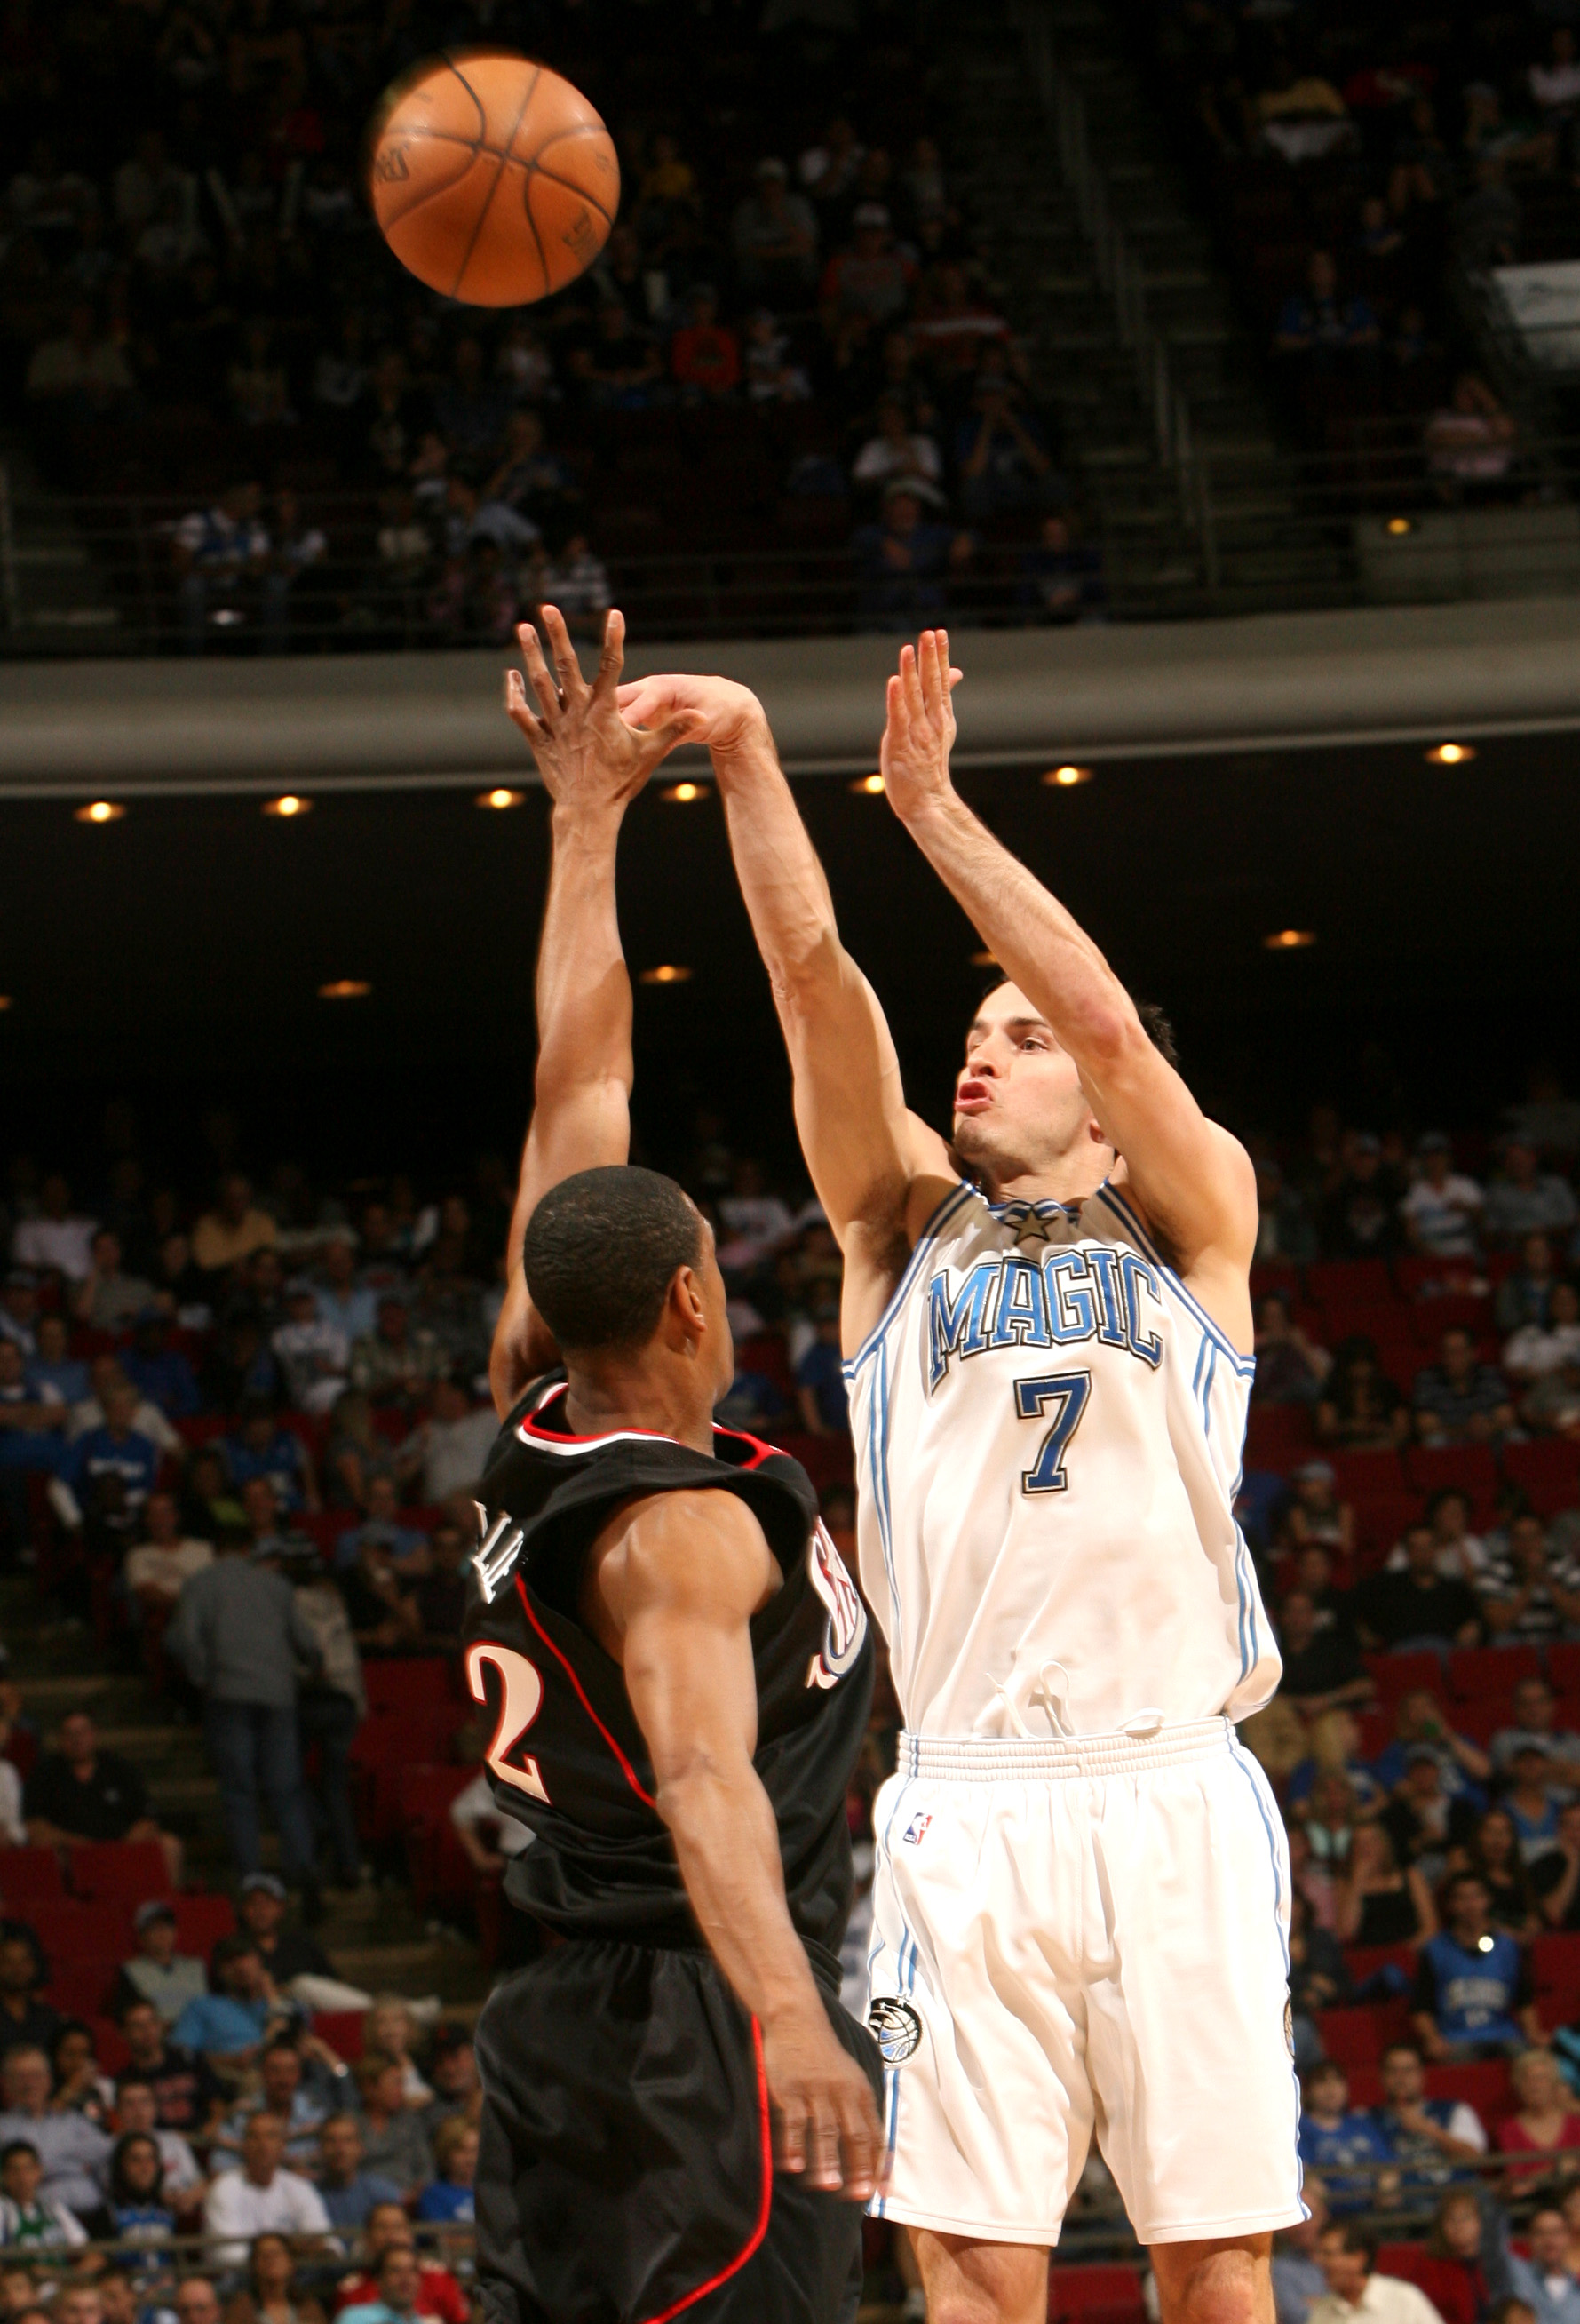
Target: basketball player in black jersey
679, 2119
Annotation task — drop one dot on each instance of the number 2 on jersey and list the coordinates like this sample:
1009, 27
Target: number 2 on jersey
1066, 1393
521, 1700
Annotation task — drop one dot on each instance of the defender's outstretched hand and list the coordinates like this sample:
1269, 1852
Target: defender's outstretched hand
722, 714
587, 754
921, 730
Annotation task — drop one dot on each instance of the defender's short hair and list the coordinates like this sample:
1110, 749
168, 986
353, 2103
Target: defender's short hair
601, 1252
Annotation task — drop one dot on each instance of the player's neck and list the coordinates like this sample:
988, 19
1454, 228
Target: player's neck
1071, 1178
662, 1400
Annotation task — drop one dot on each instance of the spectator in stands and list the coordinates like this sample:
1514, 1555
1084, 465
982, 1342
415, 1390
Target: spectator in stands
1318, 1980
1290, 1367
1297, 2282
1420, 2131
1334, 1745
393, 1364
393, 2141
197, 2301
157, 1972
1493, 1855
447, 2197
1322, 1666
1420, 1818
1547, 2282
71, 2151
1335, 2136
1525, 1200
905, 560
1323, 332
405, 1546
261, 2197
1377, 1903
313, 1355
232, 1229
159, 1373
1534, 1712
1522, 1296
453, 2070
259, 1447
107, 1298
1473, 1994
440, 1596
25, 2021
165, 1558
1555, 1875
452, 1445
1463, 2261
56, 1239
19, 1322
1528, 1593
489, 1839
1459, 1400
1420, 1727
1420, 1606
898, 450
188, 2094
282, 2094
437, 2292
775, 239
704, 354
1531, 1801
351, 1308
1553, 1405
137, 2110
51, 1368
1462, 1554
229, 2025
1442, 1208
115, 1450
1536, 1349
1360, 1409
79, 2083
1314, 1512
240, 1635
1544, 2121
29, 2219
77, 1792
272, 2294
399, 2288
139, 2211
330, 1707
286, 1953
1360, 1213
1001, 456
350, 2192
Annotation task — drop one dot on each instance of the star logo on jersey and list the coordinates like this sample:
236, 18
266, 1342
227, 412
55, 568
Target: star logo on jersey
896, 2029
846, 1628
915, 1832
1030, 1226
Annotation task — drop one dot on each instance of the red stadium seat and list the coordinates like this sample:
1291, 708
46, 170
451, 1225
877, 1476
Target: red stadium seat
405, 1683
1359, 2036
83, 1988
1562, 1661
30, 1876
1385, 1519
1278, 1437
1480, 1721
1482, 2083
1548, 1470
1475, 1673
1111, 2295
1365, 2085
1397, 1675
201, 1921
1555, 1960
342, 2030
109, 2045
1400, 2260
1350, 1283
441, 1870
1276, 1275
1433, 1317
127, 1871
72, 1932
1365, 1960
1367, 1476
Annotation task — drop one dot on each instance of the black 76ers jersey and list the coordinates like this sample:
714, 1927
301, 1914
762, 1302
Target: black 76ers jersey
567, 1756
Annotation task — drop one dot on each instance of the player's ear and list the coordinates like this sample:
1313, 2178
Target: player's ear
687, 1304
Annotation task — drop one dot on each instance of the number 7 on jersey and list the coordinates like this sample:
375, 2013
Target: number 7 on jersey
1066, 1393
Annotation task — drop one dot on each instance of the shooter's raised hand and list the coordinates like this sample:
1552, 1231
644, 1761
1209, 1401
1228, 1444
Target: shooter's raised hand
920, 729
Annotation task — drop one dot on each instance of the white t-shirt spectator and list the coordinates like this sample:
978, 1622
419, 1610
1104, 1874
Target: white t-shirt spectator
165, 1570
11, 1818
315, 1357
1386, 2300
63, 1243
454, 1453
1444, 1217
147, 1421
1532, 1353
884, 456
235, 2206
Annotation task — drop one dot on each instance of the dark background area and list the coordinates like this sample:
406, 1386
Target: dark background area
172, 960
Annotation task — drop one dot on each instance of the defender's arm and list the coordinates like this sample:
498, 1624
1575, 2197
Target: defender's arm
1194, 1180
677, 1588
592, 765
878, 1171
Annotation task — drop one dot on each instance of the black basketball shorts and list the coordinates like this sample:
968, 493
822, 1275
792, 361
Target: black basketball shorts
625, 2171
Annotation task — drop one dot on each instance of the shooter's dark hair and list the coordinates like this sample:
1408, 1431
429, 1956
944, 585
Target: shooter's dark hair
1157, 1024
601, 1252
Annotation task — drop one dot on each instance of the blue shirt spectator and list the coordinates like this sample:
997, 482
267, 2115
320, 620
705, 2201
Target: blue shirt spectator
50, 1370
1472, 1994
1335, 2136
221, 2024
260, 1449
382, 1529
442, 2199
115, 1449
160, 1372
1546, 2281
820, 1375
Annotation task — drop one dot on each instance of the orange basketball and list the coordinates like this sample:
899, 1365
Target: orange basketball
492, 179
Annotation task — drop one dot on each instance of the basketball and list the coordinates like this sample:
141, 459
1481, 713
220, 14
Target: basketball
492, 179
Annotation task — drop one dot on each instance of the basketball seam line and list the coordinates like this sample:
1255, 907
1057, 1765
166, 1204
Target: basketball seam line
498, 173
497, 154
449, 137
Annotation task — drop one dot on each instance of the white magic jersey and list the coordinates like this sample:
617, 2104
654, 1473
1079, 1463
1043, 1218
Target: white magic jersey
1048, 1437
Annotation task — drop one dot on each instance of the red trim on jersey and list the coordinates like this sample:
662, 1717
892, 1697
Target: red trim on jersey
527, 1429
760, 1452
626, 1768
764, 2206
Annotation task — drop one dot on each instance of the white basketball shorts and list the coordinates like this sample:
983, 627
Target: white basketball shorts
1093, 1935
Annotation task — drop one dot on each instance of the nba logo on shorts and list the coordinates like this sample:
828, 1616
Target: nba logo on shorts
915, 1832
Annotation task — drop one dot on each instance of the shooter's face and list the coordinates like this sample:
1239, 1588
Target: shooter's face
1019, 1107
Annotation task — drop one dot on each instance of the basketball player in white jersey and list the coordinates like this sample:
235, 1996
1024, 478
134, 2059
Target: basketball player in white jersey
1082, 1903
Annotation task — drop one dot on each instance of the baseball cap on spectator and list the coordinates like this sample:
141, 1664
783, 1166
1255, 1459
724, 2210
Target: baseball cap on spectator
156, 1909
266, 1881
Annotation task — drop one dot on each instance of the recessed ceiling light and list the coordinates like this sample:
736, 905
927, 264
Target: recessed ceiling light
1400, 524
289, 804
101, 811
502, 797
345, 987
1067, 778
1289, 940
670, 973
6, 1001
684, 794
1451, 754
868, 786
